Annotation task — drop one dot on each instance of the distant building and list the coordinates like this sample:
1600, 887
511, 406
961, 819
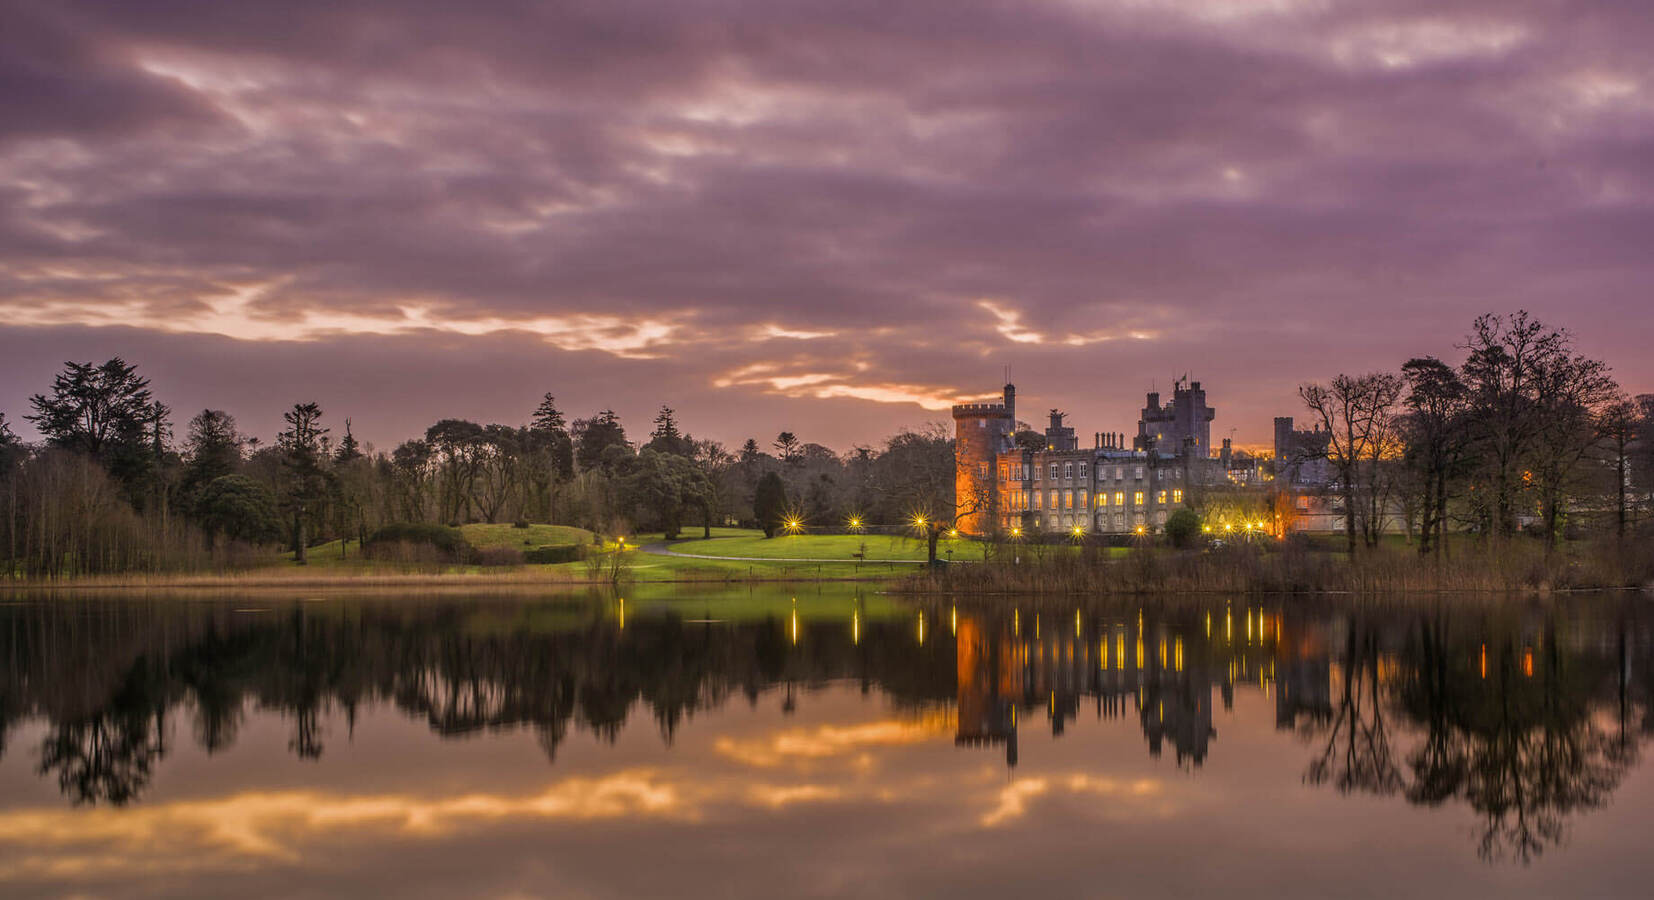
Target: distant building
983, 432
1185, 420
1107, 488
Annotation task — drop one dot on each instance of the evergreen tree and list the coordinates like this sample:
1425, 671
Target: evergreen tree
551, 435
594, 436
303, 447
769, 503
212, 450
107, 412
349, 449
786, 446
666, 438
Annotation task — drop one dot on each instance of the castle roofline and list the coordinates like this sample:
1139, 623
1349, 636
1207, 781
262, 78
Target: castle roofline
980, 410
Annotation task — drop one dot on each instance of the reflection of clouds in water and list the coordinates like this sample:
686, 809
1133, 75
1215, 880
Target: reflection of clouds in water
1124, 795
800, 746
277, 826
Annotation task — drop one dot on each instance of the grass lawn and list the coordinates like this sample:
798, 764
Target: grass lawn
826, 547
509, 535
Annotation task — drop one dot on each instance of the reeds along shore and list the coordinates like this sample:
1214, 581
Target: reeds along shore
1519, 566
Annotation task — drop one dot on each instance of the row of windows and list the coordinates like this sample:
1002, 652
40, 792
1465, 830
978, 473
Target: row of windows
1071, 469
1118, 522
1070, 499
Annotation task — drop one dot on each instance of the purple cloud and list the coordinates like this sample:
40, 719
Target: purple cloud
829, 217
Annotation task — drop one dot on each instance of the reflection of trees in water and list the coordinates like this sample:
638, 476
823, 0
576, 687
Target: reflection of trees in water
107, 682
1527, 723
1355, 750
1524, 736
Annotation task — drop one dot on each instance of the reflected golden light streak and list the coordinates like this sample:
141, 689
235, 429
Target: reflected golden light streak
827, 741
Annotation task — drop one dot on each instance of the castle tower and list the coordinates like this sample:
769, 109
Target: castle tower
981, 432
1167, 427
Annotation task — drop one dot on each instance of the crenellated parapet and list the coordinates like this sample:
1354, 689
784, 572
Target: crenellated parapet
981, 411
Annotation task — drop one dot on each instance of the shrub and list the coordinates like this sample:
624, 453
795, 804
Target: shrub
520, 523
558, 554
1182, 527
498, 556
446, 542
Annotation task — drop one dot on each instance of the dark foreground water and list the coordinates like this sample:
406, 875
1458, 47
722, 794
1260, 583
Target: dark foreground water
833, 744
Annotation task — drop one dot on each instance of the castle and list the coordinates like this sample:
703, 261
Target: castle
1005, 483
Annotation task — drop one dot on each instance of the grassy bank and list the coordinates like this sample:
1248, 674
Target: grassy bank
1518, 566
825, 558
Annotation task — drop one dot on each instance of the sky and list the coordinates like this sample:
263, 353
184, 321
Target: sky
834, 218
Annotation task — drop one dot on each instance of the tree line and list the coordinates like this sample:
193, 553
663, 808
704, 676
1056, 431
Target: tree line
1525, 433
111, 488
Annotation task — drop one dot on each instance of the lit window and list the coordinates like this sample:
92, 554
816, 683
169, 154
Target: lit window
1067, 499
1177, 495
1052, 500
1119, 498
1137, 498
1160, 497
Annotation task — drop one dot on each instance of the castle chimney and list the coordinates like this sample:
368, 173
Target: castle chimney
1011, 401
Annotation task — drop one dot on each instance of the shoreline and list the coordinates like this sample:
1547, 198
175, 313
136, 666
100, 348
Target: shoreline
389, 580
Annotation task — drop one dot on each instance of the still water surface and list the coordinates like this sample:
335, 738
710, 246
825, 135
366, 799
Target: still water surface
836, 743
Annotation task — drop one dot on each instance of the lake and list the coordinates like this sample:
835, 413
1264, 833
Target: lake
823, 743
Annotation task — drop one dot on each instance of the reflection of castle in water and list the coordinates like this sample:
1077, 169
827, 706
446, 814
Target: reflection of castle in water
1158, 671
1525, 715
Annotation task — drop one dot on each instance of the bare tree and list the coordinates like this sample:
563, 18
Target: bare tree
1358, 414
1434, 433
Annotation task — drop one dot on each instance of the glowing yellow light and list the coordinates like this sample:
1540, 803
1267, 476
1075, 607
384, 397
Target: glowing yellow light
953, 532
1227, 527
795, 625
919, 521
1076, 623
1527, 663
1016, 622
1206, 528
1484, 662
855, 522
1177, 655
953, 620
622, 613
1078, 531
855, 627
1016, 532
921, 629
1139, 529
